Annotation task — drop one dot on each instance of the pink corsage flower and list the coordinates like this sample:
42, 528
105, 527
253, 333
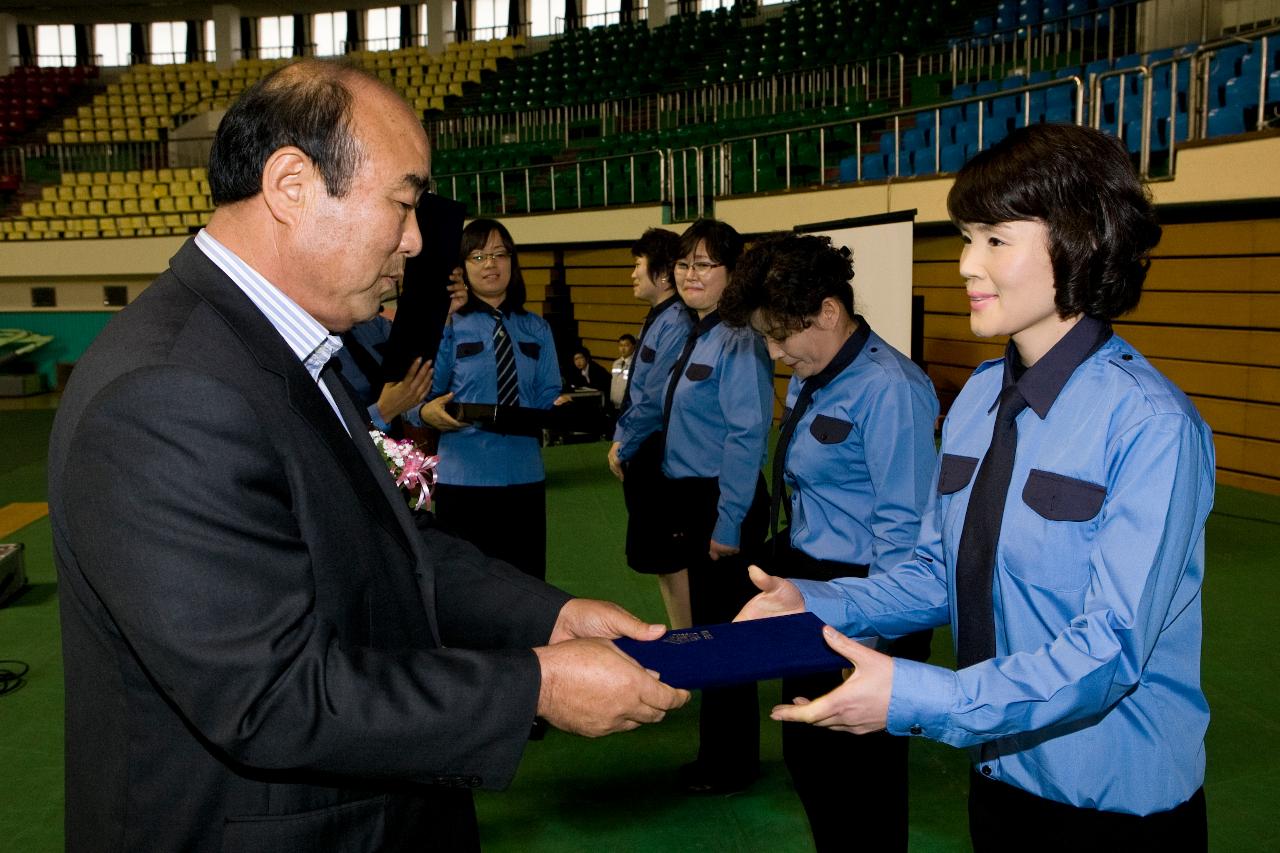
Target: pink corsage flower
413, 470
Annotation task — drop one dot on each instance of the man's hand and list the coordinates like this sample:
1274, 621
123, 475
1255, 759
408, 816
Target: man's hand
778, 597
591, 688
397, 398
615, 464
587, 617
860, 705
457, 291
434, 415
716, 551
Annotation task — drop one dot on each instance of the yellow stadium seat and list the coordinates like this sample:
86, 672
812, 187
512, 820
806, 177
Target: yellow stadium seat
97, 208
98, 191
44, 208
66, 193
62, 208
114, 207
55, 137
49, 194
39, 225
83, 193
146, 205
130, 205
79, 207
165, 205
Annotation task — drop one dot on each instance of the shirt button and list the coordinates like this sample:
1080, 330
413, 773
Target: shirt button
986, 770
1127, 357
916, 730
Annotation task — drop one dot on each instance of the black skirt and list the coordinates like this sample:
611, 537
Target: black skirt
649, 526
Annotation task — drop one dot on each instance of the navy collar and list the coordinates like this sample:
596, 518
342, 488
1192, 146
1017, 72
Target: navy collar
664, 305
1041, 383
844, 357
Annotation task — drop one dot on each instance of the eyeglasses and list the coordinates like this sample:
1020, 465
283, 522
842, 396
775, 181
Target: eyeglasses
479, 258
700, 267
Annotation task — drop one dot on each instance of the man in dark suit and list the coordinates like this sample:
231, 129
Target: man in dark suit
263, 649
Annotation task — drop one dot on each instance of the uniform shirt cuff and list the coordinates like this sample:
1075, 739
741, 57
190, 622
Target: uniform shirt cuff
726, 533
375, 417
920, 699
823, 600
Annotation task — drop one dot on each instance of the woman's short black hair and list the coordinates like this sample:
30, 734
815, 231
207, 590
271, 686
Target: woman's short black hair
661, 249
1080, 184
723, 242
308, 105
474, 238
786, 277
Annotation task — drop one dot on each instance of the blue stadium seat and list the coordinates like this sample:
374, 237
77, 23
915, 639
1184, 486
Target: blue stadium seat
1225, 121
873, 167
849, 169
923, 162
953, 157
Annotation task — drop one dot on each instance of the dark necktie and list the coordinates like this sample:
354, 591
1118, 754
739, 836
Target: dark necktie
653, 314
700, 328
976, 557
848, 351
505, 358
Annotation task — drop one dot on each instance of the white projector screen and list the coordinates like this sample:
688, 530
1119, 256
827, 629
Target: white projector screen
882, 252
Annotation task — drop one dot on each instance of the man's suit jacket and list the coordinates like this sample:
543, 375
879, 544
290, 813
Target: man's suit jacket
262, 649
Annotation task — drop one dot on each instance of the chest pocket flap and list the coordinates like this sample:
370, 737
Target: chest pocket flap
955, 473
1060, 498
829, 430
468, 348
698, 372
531, 349
648, 354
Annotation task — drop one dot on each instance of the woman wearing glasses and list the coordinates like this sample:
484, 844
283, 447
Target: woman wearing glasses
493, 351
717, 413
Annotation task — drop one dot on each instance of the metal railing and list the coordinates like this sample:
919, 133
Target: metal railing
1093, 34
13, 162
881, 78
512, 189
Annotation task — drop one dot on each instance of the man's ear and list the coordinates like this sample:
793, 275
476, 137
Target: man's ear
288, 179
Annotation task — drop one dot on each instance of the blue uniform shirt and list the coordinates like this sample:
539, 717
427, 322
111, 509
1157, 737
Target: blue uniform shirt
719, 421
860, 462
658, 348
465, 365
372, 335
1093, 698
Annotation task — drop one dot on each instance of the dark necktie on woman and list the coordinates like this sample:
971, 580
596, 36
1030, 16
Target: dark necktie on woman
505, 358
976, 557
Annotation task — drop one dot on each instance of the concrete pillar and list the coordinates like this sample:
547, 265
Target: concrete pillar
8, 43
439, 22
657, 13
226, 35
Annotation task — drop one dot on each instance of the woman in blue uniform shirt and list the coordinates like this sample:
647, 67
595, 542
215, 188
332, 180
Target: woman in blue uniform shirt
1065, 542
717, 412
856, 451
486, 475
635, 457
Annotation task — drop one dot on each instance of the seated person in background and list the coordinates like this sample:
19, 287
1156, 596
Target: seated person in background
856, 450
587, 373
621, 371
1064, 543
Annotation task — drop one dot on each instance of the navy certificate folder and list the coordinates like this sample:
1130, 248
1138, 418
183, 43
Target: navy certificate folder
737, 652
